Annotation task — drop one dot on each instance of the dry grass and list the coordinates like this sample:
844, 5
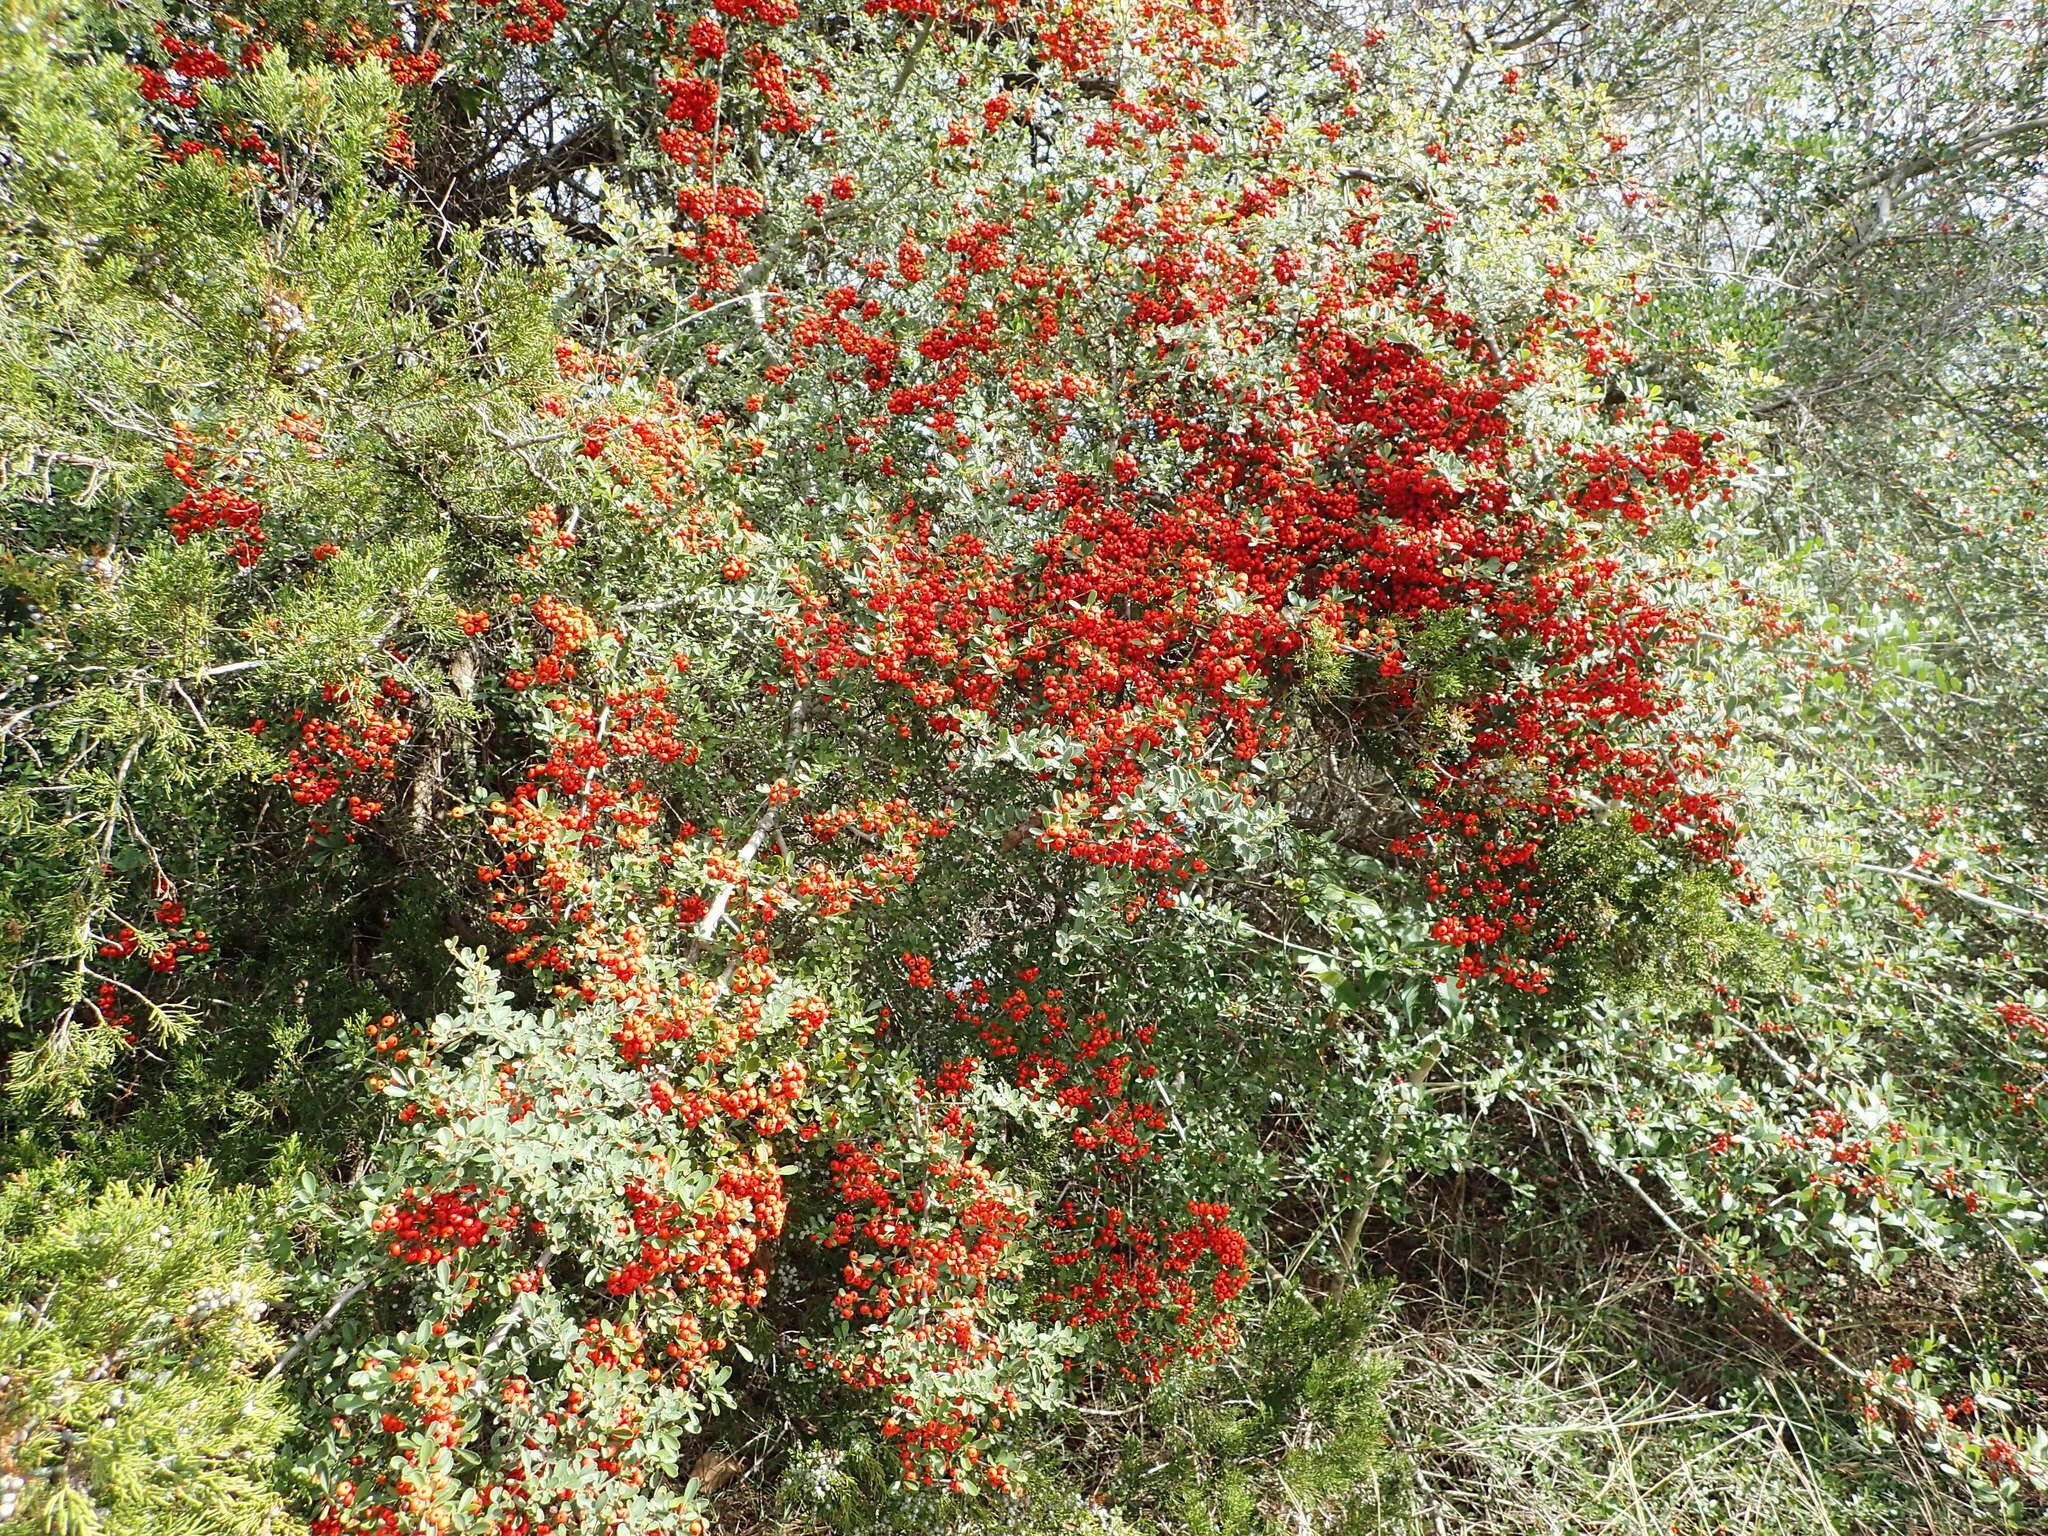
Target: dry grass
1540, 1422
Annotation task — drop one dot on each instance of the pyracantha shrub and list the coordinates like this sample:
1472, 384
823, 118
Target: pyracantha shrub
827, 550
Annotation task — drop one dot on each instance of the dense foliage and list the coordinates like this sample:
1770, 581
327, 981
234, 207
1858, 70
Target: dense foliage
1033, 764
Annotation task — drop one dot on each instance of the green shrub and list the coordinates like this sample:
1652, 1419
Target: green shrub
133, 1399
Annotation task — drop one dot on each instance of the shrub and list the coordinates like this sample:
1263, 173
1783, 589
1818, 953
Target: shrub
134, 1398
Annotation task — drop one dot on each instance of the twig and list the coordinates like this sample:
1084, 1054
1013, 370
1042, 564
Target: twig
1941, 885
751, 849
299, 1344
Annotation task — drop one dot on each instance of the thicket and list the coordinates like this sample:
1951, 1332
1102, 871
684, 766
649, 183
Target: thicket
1031, 765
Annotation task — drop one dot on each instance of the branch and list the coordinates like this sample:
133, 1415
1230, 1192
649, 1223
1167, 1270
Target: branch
1901, 172
1942, 885
751, 849
314, 1332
